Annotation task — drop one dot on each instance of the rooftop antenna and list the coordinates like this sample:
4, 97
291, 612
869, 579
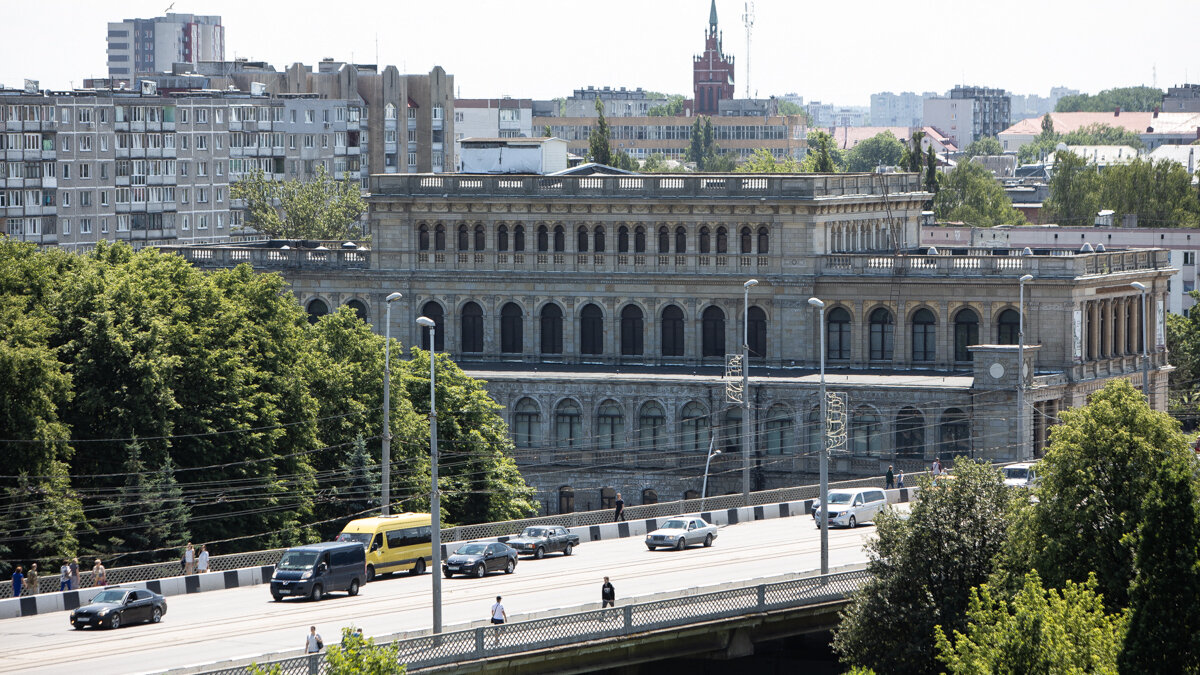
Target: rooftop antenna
748, 21
377, 50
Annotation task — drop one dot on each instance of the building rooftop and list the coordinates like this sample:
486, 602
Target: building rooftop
1136, 122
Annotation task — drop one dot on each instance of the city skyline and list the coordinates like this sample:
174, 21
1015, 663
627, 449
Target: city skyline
852, 59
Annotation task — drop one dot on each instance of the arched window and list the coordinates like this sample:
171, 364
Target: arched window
866, 431
439, 237
966, 333
664, 240
543, 239
389, 111
693, 428
713, 332
924, 335
954, 434
472, 328
519, 238
591, 330
608, 498
568, 425
552, 329
316, 309
764, 241
652, 427
639, 240
512, 338
837, 338
480, 238
598, 239
566, 499
423, 237
779, 431
502, 238
722, 240
581, 239
1008, 325
910, 433
672, 331
631, 331
649, 496
730, 439
623, 240
610, 426
680, 239
360, 310
560, 239
691, 494
814, 431
756, 333
433, 311
747, 241
882, 328
464, 238
526, 418
705, 244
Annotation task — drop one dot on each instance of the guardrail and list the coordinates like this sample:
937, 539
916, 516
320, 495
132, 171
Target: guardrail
48, 581
429, 651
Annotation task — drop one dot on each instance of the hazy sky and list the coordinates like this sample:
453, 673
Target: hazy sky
837, 52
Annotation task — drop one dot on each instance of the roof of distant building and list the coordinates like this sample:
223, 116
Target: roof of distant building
848, 137
1102, 154
1136, 122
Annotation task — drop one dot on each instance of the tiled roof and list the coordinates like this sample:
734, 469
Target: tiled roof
848, 137
1136, 122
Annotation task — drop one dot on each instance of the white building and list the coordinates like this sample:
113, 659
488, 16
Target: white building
969, 113
492, 118
155, 45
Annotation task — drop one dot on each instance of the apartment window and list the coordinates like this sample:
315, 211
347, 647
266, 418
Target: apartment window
220, 143
412, 159
104, 226
85, 170
219, 115
183, 168
308, 117
183, 115
389, 136
85, 226
412, 135
506, 115
103, 200
220, 194
65, 200
85, 143
437, 112
66, 226
122, 223
85, 198
64, 115
412, 113
220, 221
202, 116
104, 144
1189, 257
340, 114
66, 171
308, 140
201, 168
292, 141
66, 143
202, 222
324, 140
201, 195
187, 225
202, 142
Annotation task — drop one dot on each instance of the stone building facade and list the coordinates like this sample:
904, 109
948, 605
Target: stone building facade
601, 311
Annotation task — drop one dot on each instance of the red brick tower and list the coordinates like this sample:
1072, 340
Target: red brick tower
712, 72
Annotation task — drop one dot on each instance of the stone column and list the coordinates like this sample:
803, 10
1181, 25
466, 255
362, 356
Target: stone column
1093, 332
1119, 320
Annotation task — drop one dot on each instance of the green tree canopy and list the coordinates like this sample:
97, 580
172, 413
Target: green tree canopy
1131, 99
988, 145
823, 154
655, 163
322, 208
970, 194
704, 151
1159, 192
882, 149
764, 161
672, 108
1073, 192
599, 150
1093, 134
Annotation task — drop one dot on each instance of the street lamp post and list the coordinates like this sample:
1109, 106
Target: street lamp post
385, 496
823, 453
712, 452
746, 435
1021, 370
435, 510
1145, 342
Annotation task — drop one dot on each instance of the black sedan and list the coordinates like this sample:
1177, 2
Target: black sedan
539, 540
479, 558
115, 607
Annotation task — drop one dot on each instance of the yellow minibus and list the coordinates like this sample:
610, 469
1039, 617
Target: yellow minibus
393, 543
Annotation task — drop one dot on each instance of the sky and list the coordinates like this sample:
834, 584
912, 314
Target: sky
834, 52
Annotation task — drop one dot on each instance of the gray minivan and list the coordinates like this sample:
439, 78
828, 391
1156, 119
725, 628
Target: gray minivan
316, 569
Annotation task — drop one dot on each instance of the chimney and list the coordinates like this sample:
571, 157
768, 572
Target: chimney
1155, 111
1117, 112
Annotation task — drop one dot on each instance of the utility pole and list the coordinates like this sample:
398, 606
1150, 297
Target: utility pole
748, 21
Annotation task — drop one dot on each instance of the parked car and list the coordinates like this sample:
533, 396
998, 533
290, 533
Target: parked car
538, 540
848, 508
479, 558
313, 570
679, 533
1022, 474
115, 607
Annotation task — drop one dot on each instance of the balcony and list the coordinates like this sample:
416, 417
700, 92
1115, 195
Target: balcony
980, 263
598, 263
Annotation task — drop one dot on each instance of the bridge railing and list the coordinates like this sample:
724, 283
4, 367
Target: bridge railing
427, 651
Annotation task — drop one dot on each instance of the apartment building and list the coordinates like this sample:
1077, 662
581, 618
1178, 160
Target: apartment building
491, 118
969, 113
137, 46
616, 102
783, 135
898, 110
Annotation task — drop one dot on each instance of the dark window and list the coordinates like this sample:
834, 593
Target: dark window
664, 240
652, 427
610, 426
581, 240
433, 311
598, 239
472, 328
779, 431
566, 500
756, 333
552, 329
764, 241
1007, 327
639, 240
649, 497
464, 239
631, 331
568, 424
525, 421
954, 434
865, 430
966, 333
560, 239
623, 240
591, 330
924, 336
705, 244
423, 238
680, 240
502, 238
519, 238
713, 332
747, 241
837, 338
543, 239
882, 328
360, 310
480, 238
316, 310
910, 433
608, 498
694, 428
512, 339
722, 240
439, 238
672, 331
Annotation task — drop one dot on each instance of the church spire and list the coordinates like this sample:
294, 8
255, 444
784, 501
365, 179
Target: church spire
712, 16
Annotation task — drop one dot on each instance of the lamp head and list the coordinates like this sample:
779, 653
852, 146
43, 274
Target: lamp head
816, 303
1139, 285
1027, 251
426, 322
751, 283
1027, 277
393, 297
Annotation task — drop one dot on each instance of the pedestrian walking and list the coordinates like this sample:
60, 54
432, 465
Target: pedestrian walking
937, 466
313, 644
18, 580
499, 616
620, 511
900, 481
203, 558
189, 560
99, 574
31, 579
64, 576
74, 574
890, 479
608, 594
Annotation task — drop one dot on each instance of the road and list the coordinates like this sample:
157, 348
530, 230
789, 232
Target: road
206, 627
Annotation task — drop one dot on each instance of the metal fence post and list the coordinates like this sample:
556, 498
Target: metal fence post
628, 618
479, 642
762, 597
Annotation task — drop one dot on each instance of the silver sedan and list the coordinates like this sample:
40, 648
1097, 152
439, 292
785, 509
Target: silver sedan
679, 533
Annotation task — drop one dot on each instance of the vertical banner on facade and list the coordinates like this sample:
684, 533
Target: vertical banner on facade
1077, 323
1160, 321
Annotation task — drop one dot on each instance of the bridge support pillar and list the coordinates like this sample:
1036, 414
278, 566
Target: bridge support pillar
740, 644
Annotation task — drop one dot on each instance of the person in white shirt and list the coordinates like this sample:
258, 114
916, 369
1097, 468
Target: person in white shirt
203, 559
189, 560
499, 616
312, 647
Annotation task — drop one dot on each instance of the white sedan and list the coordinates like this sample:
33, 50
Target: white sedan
679, 533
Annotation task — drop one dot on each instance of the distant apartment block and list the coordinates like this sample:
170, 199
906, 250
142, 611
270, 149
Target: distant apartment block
616, 102
155, 45
492, 118
831, 115
898, 110
1154, 129
969, 113
1184, 98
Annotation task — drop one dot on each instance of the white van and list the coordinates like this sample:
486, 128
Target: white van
848, 508
1022, 474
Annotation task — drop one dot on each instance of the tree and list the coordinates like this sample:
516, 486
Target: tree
547, 131
358, 656
914, 155
598, 148
357, 482
1131, 99
147, 514
655, 163
823, 155
1158, 192
970, 194
988, 145
323, 208
931, 172
1072, 190
1103, 134
922, 571
763, 161
1047, 127
43, 517
1039, 631
883, 149
672, 108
